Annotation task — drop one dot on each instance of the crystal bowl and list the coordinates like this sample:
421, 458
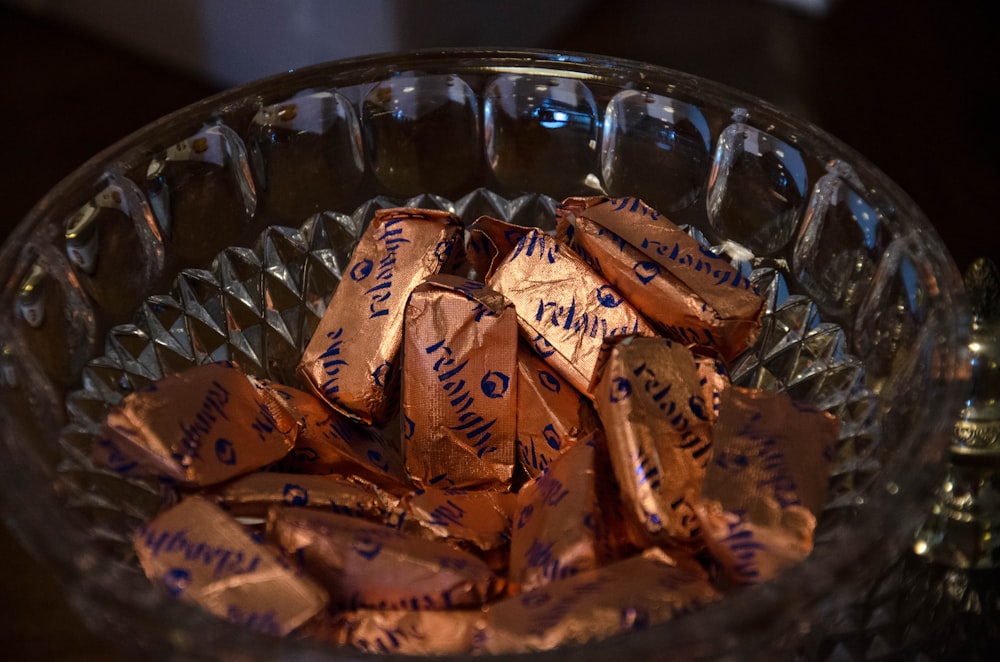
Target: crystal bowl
220, 231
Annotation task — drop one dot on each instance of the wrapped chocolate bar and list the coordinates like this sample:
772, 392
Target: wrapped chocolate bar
558, 528
658, 425
252, 496
200, 554
459, 397
767, 444
351, 360
372, 566
633, 593
480, 518
451, 632
766, 482
564, 309
199, 427
331, 443
688, 292
551, 414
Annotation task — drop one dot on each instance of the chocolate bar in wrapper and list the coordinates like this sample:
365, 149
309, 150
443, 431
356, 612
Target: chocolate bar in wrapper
658, 426
689, 292
480, 518
451, 632
564, 309
331, 443
199, 427
766, 482
634, 593
459, 398
252, 496
351, 360
371, 566
770, 445
558, 528
551, 414
201, 555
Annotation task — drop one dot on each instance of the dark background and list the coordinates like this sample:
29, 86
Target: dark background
910, 85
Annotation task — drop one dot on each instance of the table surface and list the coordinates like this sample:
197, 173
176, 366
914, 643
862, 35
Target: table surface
908, 90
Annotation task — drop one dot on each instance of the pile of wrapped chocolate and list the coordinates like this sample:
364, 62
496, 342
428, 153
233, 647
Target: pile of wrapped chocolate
503, 441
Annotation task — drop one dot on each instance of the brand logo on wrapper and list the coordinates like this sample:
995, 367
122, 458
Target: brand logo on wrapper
222, 560
475, 427
702, 260
212, 408
391, 238
332, 363
584, 323
225, 452
607, 297
494, 384
536, 245
175, 580
295, 495
705, 262
543, 346
646, 270
620, 390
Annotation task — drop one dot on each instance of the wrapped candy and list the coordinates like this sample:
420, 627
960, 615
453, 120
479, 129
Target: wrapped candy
633, 593
200, 554
459, 396
687, 291
766, 482
564, 309
366, 565
551, 414
351, 360
199, 427
659, 436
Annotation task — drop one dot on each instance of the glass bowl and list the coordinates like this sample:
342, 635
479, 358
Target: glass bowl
220, 231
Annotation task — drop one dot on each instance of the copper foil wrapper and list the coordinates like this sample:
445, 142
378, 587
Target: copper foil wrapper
480, 518
459, 397
564, 309
658, 427
766, 483
200, 554
751, 551
331, 443
714, 379
770, 448
451, 632
689, 292
558, 527
372, 566
252, 496
199, 427
351, 359
551, 414
634, 593
490, 240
